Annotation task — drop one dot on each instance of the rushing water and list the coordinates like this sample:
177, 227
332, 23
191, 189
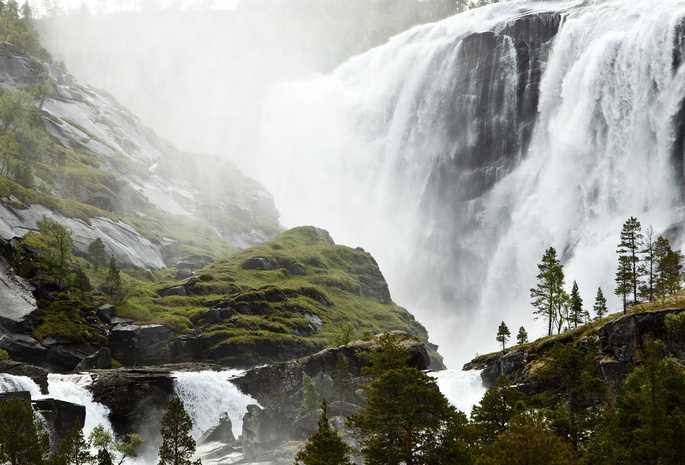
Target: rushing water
463, 389
415, 152
206, 394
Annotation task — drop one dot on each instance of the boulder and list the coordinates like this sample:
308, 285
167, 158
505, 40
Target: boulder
37, 374
24, 395
59, 416
221, 432
140, 344
102, 359
266, 430
18, 308
260, 263
106, 313
136, 398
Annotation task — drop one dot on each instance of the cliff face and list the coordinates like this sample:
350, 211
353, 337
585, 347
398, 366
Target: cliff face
616, 345
137, 182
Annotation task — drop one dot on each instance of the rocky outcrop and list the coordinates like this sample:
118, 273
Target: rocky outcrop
136, 399
278, 389
18, 308
37, 374
617, 345
59, 417
140, 344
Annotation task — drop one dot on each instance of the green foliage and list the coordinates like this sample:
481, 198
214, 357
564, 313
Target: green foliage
628, 273
22, 440
522, 336
675, 324
529, 442
668, 269
389, 354
325, 446
549, 295
573, 372
503, 334
493, 414
59, 241
342, 380
345, 336
73, 449
404, 412
4, 356
576, 307
111, 450
97, 253
82, 283
178, 446
600, 306
310, 397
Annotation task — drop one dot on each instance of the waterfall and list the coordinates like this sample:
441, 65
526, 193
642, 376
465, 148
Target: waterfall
12, 383
206, 394
74, 389
459, 151
463, 389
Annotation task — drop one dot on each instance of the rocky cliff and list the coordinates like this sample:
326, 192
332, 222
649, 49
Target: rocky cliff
616, 344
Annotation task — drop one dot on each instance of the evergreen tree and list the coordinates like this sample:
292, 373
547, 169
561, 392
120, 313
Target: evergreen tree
529, 441
342, 380
82, 283
572, 371
325, 446
628, 274
59, 240
178, 446
576, 307
549, 294
404, 413
97, 253
104, 458
73, 449
113, 278
493, 414
522, 336
647, 268
600, 306
22, 440
310, 398
503, 334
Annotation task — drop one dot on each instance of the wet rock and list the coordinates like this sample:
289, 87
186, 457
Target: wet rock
106, 313
140, 344
60, 417
173, 290
102, 359
18, 308
37, 374
221, 432
297, 269
260, 263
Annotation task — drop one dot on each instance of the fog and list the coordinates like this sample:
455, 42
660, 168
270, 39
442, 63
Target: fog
375, 146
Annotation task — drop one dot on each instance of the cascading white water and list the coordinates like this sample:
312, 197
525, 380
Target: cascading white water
362, 152
206, 394
463, 389
73, 388
12, 383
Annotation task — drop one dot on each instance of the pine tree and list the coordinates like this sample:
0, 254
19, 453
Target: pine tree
178, 446
503, 334
82, 283
496, 409
325, 446
97, 253
576, 303
600, 306
22, 440
342, 380
522, 336
628, 273
73, 449
59, 240
113, 278
549, 294
310, 398
647, 268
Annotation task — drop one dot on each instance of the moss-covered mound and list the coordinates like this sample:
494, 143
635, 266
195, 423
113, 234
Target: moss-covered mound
291, 296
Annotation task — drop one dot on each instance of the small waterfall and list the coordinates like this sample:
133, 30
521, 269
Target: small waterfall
206, 394
11, 383
463, 389
73, 388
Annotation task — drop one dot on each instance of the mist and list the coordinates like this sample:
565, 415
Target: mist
396, 143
